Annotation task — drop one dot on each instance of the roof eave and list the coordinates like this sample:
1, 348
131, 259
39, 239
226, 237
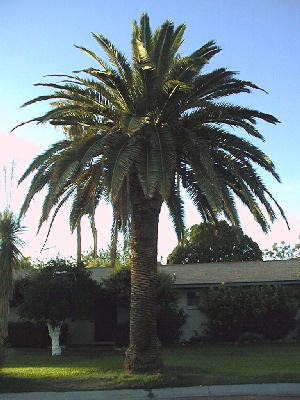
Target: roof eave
214, 284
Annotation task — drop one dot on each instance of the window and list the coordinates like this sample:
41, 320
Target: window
193, 299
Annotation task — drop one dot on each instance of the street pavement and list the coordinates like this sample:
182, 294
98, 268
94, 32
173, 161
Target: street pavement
218, 392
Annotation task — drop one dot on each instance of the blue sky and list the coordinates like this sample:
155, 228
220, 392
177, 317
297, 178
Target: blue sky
260, 39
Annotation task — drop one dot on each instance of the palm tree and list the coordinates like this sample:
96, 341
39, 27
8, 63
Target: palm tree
159, 126
10, 257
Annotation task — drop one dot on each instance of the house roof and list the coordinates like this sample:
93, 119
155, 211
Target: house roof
235, 273
231, 273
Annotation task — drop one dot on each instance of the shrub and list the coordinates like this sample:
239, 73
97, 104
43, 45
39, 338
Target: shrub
169, 318
30, 334
265, 310
117, 286
169, 322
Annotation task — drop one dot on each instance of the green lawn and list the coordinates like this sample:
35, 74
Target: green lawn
36, 370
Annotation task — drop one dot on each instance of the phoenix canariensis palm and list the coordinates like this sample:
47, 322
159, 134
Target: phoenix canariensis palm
160, 125
10, 257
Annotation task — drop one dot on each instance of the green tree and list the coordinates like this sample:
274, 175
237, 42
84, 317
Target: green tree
282, 251
10, 260
218, 242
54, 292
104, 259
159, 125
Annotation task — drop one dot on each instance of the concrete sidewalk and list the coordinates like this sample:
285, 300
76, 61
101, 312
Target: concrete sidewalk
266, 389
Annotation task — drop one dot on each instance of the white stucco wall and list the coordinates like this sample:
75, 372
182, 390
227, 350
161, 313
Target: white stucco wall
196, 320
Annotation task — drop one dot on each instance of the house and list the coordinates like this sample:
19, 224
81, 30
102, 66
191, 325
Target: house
191, 280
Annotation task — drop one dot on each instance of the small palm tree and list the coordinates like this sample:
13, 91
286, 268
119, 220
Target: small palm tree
157, 125
10, 257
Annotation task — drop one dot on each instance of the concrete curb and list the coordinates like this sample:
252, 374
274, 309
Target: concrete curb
265, 389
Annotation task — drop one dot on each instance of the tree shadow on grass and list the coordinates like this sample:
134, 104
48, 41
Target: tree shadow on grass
16, 384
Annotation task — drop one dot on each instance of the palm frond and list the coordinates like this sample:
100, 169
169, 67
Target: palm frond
63, 200
116, 58
43, 158
176, 209
145, 33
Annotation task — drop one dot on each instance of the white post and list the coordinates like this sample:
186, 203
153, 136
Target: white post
54, 332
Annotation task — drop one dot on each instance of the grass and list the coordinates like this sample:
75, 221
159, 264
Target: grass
35, 370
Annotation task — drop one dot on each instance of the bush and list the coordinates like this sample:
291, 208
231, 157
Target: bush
169, 322
30, 334
117, 286
265, 310
169, 318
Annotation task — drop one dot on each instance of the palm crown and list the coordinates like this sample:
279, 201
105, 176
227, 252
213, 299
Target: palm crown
161, 117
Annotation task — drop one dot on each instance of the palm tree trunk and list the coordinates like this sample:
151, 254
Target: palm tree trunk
114, 245
4, 307
95, 234
143, 352
6, 290
10, 256
78, 232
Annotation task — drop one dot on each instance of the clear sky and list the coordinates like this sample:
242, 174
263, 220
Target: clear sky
260, 39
